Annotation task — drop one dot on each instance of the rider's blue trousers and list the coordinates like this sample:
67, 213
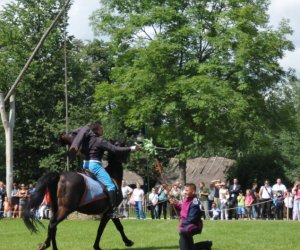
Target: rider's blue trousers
98, 170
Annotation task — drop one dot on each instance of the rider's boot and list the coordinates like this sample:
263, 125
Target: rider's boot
113, 209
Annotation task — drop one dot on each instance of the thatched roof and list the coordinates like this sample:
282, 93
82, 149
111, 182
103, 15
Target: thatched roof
207, 169
132, 177
200, 169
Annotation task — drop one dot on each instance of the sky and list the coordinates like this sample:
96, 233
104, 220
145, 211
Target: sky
289, 9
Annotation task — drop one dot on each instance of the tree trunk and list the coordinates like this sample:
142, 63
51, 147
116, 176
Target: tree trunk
8, 125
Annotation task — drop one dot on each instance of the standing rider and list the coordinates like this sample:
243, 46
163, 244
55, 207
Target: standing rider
92, 146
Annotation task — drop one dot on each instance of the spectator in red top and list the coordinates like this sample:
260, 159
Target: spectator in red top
248, 204
44, 210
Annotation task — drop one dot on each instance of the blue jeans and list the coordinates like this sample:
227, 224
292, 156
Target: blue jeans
139, 210
96, 168
154, 212
240, 210
1, 212
254, 212
297, 209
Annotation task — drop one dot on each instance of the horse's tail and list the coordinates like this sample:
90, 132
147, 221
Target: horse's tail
48, 182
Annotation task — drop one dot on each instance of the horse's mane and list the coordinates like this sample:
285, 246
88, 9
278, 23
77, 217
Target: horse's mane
65, 138
115, 164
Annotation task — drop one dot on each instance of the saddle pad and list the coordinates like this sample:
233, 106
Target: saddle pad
93, 191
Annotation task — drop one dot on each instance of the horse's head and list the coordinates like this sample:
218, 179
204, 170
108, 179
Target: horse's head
65, 139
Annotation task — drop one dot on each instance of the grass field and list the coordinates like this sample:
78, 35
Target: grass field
156, 235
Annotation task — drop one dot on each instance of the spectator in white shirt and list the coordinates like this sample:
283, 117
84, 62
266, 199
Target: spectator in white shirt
215, 212
138, 197
266, 196
124, 205
153, 200
224, 196
279, 187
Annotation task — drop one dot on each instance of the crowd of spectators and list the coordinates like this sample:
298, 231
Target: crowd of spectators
218, 201
225, 202
19, 197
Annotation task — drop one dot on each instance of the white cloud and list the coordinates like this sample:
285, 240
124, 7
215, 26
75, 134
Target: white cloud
81, 11
79, 15
291, 60
288, 9
3, 2
285, 9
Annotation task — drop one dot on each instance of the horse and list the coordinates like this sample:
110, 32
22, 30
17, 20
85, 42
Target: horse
66, 191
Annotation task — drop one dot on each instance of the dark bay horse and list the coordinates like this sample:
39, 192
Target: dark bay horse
66, 190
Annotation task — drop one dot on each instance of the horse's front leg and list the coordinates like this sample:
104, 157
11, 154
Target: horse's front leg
101, 228
120, 228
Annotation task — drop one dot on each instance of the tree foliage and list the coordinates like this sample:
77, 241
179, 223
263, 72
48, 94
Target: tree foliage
202, 76
40, 97
258, 167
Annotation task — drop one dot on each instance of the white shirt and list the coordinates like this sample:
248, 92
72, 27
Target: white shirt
223, 194
126, 191
288, 201
266, 192
215, 211
279, 187
138, 194
153, 198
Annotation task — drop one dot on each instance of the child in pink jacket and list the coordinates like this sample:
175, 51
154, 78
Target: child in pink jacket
190, 220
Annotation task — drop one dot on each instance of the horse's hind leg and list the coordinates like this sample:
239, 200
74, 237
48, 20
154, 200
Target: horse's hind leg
51, 232
62, 214
52, 227
120, 228
51, 236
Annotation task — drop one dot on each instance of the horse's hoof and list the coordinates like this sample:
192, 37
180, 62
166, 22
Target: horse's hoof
41, 246
97, 248
129, 243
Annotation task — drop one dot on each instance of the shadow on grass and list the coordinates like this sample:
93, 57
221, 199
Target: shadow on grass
153, 248
156, 248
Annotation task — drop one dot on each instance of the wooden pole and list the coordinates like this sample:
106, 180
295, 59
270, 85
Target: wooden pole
8, 125
39, 45
66, 87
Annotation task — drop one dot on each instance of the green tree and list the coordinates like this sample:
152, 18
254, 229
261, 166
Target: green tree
259, 166
201, 76
287, 142
40, 97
